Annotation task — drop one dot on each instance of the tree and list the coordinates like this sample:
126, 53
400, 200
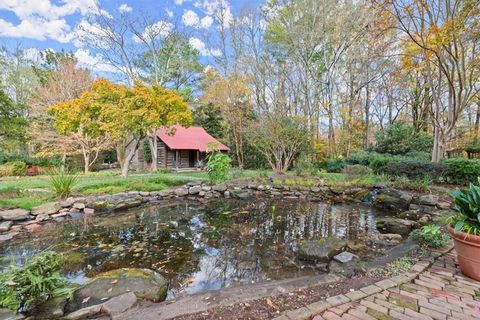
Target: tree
17, 82
12, 122
444, 35
82, 119
280, 138
61, 80
130, 114
401, 138
209, 117
233, 96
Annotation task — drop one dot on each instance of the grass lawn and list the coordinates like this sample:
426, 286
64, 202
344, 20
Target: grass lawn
29, 191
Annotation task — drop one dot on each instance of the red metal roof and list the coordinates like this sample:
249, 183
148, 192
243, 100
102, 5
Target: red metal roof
192, 138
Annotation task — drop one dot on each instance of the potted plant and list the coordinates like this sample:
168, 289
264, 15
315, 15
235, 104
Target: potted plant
464, 227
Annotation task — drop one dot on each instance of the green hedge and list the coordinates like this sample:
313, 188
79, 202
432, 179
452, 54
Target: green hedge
462, 171
330, 165
416, 170
363, 158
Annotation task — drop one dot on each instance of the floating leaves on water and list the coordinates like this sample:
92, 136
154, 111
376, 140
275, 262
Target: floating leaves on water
85, 300
114, 281
109, 290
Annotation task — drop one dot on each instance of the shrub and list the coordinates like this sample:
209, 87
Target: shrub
13, 168
401, 138
462, 171
304, 166
334, 166
467, 207
356, 171
147, 152
37, 281
62, 182
416, 170
217, 167
363, 157
379, 163
403, 182
432, 236
165, 170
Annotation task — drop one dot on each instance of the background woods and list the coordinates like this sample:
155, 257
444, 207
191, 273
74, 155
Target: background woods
287, 80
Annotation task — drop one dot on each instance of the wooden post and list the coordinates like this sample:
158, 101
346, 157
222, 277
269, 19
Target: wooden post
177, 157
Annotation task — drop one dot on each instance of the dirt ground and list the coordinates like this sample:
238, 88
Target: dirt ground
271, 307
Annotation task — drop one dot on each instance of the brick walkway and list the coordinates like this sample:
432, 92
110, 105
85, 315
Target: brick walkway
429, 291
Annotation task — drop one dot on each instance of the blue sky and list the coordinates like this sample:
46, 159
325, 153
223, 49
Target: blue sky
42, 24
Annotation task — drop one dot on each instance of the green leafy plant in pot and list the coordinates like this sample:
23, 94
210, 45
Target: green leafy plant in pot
464, 227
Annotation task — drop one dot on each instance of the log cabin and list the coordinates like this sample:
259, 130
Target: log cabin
182, 148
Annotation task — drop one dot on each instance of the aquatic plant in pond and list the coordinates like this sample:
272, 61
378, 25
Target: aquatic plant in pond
202, 246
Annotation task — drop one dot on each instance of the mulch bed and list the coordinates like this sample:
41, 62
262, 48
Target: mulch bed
271, 307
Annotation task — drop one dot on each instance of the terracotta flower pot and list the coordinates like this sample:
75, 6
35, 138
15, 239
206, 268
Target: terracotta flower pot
468, 253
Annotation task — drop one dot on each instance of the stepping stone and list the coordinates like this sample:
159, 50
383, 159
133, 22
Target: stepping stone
345, 257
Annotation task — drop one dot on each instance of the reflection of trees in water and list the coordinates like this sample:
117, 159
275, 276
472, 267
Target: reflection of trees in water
201, 247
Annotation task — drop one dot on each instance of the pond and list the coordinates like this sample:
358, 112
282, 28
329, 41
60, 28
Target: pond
197, 246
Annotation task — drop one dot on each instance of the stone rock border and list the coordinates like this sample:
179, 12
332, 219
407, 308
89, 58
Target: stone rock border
312, 309
419, 207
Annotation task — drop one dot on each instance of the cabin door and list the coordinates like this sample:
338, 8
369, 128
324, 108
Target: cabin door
191, 158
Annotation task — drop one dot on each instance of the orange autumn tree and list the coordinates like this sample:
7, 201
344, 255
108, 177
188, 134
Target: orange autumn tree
110, 114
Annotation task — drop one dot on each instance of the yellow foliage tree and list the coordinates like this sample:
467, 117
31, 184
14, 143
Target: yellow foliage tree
111, 114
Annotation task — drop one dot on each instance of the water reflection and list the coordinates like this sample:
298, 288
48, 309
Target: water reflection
198, 246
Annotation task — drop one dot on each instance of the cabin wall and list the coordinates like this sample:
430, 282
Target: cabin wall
166, 157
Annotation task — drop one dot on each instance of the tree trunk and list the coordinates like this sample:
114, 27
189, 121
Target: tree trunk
152, 142
63, 161
439, 141
477, 121
121, 154
129, 154
367, 118
86, 161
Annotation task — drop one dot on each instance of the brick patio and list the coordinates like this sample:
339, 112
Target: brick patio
429, 291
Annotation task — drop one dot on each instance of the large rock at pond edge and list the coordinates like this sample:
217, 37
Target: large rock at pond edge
6, 314
321, 250
15, 214
46, 208
50, 309
146, 284
195, 190
240, 194
426, 200
395, 225
393, 199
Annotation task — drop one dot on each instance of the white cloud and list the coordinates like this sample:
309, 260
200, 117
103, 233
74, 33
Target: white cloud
87, 60
202, 48
38, 29
125, 8
153, 31
206, 22
213, 7
190, 18
87, 33
25, 9
179, 2
42, 19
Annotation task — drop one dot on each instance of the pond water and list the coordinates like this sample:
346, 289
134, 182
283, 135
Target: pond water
198, 246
